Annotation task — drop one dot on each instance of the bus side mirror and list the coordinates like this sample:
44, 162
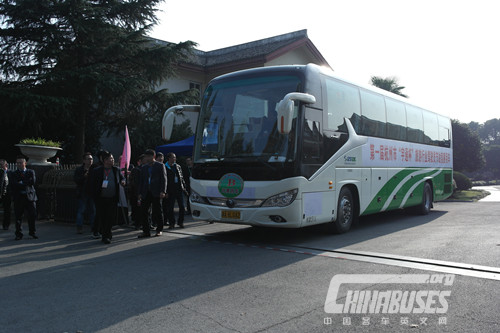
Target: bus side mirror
285, 110
167, 123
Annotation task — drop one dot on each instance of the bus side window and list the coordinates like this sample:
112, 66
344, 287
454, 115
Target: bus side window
373, 118
311, 145
415, 124
396, 120
431, 128
444, 131
342, 102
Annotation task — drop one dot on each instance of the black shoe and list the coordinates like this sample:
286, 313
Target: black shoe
34, 236
181, 226
158, 233
143, 235
19, 237
106, 241
171, 227
96, 235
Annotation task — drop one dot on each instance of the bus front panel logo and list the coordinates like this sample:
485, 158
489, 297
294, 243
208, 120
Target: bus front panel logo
231, 185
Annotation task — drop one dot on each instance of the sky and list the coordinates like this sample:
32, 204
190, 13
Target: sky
446, 53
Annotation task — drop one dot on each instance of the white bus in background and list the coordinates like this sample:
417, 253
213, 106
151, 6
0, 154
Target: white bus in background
294, 146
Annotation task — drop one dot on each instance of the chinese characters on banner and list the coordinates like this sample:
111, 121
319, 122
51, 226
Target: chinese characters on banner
380, 152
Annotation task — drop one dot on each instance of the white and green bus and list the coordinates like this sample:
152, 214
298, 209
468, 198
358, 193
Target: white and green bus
294, 146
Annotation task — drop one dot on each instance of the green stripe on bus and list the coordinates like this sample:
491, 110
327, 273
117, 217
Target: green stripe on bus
405, 180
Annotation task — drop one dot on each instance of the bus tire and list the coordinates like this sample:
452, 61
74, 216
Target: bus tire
346, 212
425, 206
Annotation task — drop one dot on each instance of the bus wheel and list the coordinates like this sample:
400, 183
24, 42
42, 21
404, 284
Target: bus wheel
346, 212
425, 206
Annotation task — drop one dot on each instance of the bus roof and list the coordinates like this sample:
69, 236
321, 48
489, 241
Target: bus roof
323, 70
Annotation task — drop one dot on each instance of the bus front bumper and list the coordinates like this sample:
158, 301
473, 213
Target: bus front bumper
282, 217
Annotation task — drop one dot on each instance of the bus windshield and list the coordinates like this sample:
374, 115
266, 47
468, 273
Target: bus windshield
238, 120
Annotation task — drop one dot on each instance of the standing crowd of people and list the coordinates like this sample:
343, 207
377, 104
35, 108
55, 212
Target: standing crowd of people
153, 187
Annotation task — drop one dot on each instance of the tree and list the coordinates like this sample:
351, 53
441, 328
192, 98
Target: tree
390, 84
70, 68
467, 148
490, 132
492, 156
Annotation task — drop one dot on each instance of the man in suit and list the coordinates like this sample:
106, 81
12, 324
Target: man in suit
5, 193
153, 188
105, 185
22, 185
175, 190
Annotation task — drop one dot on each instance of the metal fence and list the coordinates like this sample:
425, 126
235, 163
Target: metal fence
13, 167
60, 192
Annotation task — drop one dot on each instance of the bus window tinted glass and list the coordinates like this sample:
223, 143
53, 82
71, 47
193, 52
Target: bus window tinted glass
238, 119
396, 119
415, 124
311, 144
343, 102
372, 114
444, 131
431, 135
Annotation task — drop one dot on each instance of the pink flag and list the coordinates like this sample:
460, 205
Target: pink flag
125, 160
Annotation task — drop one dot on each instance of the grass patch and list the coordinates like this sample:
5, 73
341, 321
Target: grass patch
469, 195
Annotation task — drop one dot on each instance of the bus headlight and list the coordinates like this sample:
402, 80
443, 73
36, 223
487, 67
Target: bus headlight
195, 197
282, 199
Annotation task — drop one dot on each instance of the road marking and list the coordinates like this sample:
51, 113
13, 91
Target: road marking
477, 271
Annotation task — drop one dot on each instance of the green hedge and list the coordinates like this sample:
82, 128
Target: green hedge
463, 182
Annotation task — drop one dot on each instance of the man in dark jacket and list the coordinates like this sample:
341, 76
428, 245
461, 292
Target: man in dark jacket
105, 188
85, 201
175, 190
153, 188
5, 193
22, 186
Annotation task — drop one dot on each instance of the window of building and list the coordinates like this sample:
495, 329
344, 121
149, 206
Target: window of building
196, 86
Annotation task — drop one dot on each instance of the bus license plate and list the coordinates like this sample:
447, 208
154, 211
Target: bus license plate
231, 214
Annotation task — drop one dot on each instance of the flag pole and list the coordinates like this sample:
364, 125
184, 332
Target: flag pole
124, 165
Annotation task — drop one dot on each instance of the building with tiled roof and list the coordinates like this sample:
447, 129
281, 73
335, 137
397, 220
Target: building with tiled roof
293, 48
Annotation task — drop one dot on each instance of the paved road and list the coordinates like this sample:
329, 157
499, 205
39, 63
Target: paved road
494, 193
225, 278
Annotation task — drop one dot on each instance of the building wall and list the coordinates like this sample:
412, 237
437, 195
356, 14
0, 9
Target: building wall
182, 81
300, 56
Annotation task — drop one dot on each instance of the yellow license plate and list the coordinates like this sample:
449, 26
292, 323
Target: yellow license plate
231, 214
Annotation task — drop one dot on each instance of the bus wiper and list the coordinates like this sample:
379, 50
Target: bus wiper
237, 156
261, 159
214, 154
264, 161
